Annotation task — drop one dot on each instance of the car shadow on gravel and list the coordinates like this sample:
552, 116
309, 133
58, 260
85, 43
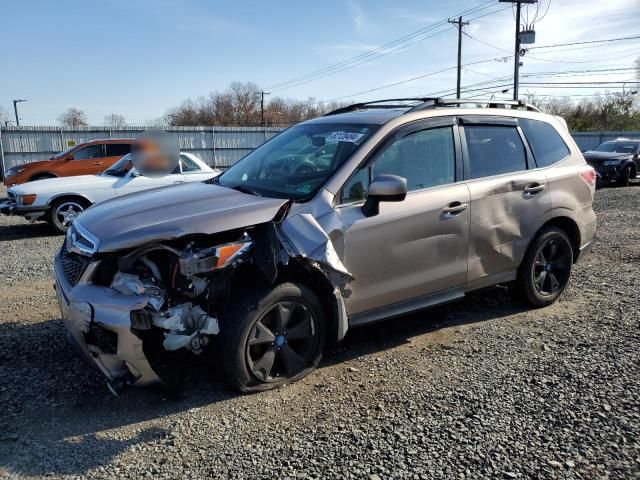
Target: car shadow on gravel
26, 230
60, 414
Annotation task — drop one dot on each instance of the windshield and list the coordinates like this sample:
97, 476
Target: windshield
120, 168
618, 147
62, 153
296, 163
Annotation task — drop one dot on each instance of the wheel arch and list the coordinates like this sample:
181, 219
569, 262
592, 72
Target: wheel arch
301, 271
570, 227
68, 195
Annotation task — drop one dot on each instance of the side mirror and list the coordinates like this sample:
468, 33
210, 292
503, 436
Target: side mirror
69, 157
384, 188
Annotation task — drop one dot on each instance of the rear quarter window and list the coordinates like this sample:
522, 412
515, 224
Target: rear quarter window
546, 143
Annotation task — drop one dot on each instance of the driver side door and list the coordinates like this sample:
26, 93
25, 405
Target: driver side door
413, 253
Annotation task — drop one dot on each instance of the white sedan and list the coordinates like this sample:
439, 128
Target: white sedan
60, 200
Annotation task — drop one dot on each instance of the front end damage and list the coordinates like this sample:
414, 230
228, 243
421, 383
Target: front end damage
135, 314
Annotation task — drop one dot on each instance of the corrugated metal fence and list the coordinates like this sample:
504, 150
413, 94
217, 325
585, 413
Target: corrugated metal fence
590, 140
218, 146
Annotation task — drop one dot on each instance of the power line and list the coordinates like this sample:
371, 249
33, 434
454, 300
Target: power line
586, 42
382, 87
375, 53
347, 67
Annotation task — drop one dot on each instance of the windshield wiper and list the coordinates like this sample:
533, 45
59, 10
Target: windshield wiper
245, 189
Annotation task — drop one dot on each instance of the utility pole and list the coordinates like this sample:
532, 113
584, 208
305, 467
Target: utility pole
516, 52
459, 24
15, 109
262, 94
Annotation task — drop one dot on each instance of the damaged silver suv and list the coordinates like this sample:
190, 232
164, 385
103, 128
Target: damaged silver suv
367, 213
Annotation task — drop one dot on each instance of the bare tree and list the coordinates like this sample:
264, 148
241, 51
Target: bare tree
5, 119
239, 105
73, 118
609, 111
114, 120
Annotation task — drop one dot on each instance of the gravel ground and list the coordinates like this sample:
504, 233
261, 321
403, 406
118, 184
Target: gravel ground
479, 388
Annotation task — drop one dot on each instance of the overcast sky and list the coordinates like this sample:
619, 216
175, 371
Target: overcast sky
140, 57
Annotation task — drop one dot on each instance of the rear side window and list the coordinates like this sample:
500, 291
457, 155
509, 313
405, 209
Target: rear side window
545, 142
117, 149
494, 150
86, 153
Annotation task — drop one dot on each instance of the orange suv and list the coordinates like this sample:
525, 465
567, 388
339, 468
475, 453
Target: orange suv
86, 158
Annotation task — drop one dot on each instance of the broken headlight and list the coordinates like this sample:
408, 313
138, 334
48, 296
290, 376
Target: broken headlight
194, 262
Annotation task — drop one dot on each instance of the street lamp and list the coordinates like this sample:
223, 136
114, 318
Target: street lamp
15, 109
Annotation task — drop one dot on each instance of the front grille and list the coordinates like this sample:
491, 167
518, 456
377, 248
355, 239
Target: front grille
72, 266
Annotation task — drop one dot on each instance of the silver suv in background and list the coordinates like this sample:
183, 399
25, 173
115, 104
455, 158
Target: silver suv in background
409, 203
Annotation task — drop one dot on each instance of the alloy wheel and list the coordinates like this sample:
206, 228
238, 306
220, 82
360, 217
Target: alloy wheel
282, 342
67, 212
552, 266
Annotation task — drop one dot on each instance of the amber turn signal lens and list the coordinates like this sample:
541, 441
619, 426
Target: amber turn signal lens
28, 199
226, 252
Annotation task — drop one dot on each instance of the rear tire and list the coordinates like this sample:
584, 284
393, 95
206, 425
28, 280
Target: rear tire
546, 268
271, 337
63, 211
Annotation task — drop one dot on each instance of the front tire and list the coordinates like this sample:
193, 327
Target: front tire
62, 213
624, 177
272, 337
546, 268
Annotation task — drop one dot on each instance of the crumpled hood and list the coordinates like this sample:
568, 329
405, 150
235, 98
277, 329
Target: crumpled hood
171, 212
597, 158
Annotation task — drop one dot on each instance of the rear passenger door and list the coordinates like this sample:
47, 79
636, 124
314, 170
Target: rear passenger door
86, 161
114, 152
509, 198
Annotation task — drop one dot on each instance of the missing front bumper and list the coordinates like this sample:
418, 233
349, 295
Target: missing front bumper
98, 321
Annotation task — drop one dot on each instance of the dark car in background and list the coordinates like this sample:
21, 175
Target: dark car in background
616, 161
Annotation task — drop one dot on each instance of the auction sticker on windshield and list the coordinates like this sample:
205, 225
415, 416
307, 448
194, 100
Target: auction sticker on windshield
344, 137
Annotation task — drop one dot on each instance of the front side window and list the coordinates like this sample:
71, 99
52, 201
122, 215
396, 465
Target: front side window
545, 142
494, 150
296, 163
425, 158
86, 153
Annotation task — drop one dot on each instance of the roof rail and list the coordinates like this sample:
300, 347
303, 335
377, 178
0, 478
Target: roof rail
380, 104
431, 102
444, 102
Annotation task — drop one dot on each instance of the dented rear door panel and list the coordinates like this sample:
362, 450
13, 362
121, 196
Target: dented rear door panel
504, 219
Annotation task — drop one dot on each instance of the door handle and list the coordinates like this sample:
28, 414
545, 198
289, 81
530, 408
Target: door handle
97, 163
533, 188
454, 208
